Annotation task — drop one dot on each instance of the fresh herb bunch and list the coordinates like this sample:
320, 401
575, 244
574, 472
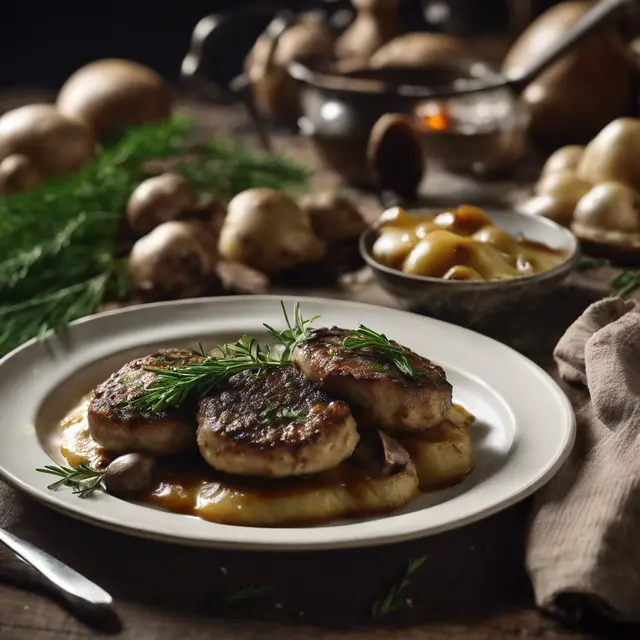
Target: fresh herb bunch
365, 338
58, 242
395, 600
174, 385
84, 479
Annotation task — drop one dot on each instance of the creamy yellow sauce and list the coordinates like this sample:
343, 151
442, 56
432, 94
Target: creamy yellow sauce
460, 244
185, 484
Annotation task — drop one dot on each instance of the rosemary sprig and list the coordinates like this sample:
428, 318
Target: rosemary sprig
394, 600
83, 479
174, 385
587, 263
247, 592
294, 334
364, 338
625, 282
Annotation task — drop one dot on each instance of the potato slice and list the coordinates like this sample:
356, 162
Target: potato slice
443, 455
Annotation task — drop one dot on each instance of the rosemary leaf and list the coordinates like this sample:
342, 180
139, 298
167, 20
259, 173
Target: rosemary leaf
174, 385
84, 480
625, 282
247, 592
365, 338
395, 600
591, 263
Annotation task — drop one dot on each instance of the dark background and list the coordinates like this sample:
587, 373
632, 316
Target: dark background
42, 44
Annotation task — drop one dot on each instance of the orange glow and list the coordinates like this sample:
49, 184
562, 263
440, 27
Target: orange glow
436, 122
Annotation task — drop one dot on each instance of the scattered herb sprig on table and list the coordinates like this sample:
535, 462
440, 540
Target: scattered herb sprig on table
247, 592
60, 259
364, 337
622, 282
625, 282
395, 600
175, 384
84, 479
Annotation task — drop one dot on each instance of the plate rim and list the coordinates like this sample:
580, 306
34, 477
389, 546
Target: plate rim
381, 539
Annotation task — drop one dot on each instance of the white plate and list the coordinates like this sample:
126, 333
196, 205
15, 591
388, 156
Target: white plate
524, 431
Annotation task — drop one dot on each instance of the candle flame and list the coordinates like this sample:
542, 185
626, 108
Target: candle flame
436, 121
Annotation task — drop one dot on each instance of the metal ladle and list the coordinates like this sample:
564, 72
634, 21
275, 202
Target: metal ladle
599, 14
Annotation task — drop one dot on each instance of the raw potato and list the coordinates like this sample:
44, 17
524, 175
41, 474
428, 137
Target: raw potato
553, 207
266, 230
160, 199
564, 159
610, 205
563, 184
17, 173
275, 92
113, 94
54, 143
333, 217
177, 259
614, 154
419, 50
581, 92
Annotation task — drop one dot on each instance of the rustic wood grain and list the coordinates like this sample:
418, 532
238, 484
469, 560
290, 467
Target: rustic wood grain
473, 585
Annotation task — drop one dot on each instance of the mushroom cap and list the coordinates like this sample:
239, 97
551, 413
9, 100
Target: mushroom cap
610, 205
266, 229
176, 260
53, 142
113, 94
159, 199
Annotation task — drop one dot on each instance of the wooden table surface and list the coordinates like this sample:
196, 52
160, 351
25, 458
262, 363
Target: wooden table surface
473, 585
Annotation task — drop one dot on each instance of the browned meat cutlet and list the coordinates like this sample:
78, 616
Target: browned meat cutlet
121, 428
277, 424
377, 392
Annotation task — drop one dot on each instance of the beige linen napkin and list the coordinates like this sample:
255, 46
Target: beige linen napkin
584, 542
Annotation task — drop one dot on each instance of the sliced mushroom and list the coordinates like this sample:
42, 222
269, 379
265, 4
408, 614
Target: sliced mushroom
380, 454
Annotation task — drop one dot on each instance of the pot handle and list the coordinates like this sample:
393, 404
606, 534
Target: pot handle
218, 32
601, 12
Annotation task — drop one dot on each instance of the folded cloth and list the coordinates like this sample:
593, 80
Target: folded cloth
583, 547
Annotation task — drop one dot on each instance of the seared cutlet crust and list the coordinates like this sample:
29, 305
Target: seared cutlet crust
274, 425
378, 393
118, 426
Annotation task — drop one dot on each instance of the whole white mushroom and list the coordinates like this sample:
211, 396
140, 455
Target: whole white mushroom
266, 230
610, 205
177, 259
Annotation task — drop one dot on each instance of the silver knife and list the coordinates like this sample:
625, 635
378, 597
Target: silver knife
70, 583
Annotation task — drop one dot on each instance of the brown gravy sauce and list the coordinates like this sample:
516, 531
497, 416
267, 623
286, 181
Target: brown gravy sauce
186, 484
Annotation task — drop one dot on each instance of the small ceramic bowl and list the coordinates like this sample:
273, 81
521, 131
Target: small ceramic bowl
473, 303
